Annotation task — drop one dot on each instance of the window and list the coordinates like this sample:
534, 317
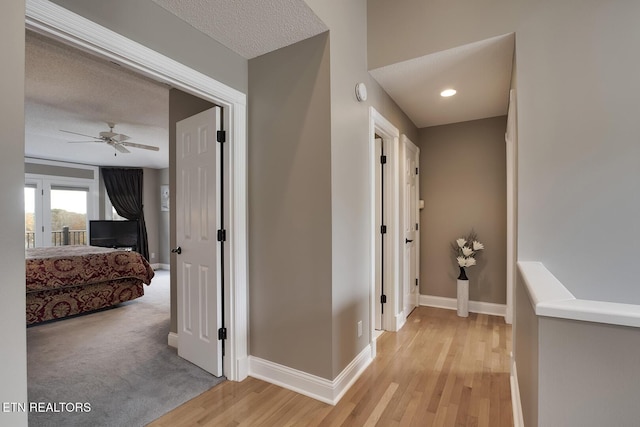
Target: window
110, 211
57, 210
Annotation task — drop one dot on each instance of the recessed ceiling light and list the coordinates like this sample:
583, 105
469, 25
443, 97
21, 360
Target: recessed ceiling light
447, 93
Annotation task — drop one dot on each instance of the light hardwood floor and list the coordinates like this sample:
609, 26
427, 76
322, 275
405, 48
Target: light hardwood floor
439, 370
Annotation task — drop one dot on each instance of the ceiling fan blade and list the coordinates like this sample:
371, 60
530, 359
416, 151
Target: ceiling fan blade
143, 146
81, 134
77, 142
120, 148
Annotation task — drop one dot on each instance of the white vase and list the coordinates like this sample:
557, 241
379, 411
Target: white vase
463, 298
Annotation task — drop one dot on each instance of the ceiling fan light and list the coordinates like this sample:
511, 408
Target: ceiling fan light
447, 93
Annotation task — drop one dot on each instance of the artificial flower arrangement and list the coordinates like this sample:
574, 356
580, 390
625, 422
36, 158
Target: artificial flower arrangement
464, 250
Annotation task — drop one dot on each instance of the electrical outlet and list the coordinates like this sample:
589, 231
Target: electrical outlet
359, 328
153, 255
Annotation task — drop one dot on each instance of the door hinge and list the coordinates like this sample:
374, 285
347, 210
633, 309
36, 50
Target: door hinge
416, 171
383, 160
417, 281
221, 136
383, 299
222, 333
383, 229
417, 226
222, 235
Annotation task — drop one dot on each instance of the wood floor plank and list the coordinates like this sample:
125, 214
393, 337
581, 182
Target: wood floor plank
381, 405
439, 370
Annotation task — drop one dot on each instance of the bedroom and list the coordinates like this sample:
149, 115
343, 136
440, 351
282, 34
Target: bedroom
70, 90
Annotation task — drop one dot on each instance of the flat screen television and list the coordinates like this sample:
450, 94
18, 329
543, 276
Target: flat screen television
114, 234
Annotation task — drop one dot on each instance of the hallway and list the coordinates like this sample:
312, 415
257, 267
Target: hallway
439, 370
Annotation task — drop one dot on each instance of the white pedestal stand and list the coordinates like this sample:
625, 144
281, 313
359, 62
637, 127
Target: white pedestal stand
463, 298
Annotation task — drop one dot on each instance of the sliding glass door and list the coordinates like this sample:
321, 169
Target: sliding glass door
68, 219
57, 211
30, 220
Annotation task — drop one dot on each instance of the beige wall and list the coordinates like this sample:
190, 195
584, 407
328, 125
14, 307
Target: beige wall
151, 202
163, 224
290, 207
463, 185
349, 186
578, 198
574, 373
13, 356
588, 374
347, 22
67, 172
405, 29
525, 349
150, 25
181, 106
578, 169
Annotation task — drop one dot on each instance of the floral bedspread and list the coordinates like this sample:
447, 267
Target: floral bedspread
67, 266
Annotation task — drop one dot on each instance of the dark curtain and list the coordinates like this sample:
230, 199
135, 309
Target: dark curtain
124, 187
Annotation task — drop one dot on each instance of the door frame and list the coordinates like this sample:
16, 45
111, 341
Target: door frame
511, 141
390, 135
63, 25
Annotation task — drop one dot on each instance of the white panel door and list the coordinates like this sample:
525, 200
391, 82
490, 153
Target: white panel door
411, 227
197, 222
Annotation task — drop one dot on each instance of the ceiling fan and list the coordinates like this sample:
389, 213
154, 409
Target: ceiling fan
117, 140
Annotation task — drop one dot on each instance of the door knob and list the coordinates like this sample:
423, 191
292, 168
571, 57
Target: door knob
408, 240
177, 250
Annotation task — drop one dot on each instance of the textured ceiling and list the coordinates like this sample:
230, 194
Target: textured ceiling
480, 72
249, 27
71, 90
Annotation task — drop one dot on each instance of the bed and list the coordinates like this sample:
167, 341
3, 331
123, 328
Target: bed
62, 281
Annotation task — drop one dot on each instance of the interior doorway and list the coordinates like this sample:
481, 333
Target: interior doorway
58, 23
385, 228
380, 235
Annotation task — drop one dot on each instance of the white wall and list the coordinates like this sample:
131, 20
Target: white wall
13, 356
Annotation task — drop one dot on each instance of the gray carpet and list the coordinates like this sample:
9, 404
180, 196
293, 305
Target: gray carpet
117, 360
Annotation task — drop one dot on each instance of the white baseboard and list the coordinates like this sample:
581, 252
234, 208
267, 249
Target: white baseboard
518, 418
242, 368
474, 306
172, 340
158, 266
401, 319
374, 347
318, 388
